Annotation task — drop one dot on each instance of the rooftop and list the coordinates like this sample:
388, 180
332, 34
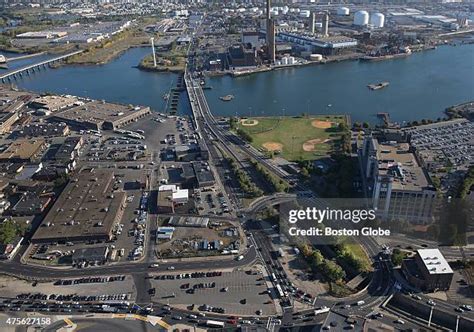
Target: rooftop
395, 160
434, 261
23, 149
87, 207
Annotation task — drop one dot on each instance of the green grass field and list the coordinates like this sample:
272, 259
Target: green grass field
295, 138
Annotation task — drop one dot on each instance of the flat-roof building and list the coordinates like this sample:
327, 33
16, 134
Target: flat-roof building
428, 270
24, 150
69, 149
43, 130
400, 188
96, 255
164, 233
7, 119
98, 115
189, 222
203, 173
54, 103
87, 209
324, 45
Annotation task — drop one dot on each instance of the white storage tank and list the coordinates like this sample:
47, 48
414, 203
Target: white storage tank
377, 20
291, 60
284, 61
361, 18
343, 11
315, 57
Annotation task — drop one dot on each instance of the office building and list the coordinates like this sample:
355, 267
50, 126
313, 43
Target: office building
400, 188
428, 270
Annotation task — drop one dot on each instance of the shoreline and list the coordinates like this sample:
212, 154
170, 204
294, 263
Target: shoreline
354, 57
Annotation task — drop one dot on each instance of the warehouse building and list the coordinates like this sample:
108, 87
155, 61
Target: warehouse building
7, 119
203, 173
54, 103
99, 115
428, 270
87, 209
24, 150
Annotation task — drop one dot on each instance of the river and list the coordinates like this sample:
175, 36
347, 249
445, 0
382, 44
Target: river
421, 86
117, 81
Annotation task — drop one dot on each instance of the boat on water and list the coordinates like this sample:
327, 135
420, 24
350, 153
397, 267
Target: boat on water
3, 59
378, 86
227, 98
166, 96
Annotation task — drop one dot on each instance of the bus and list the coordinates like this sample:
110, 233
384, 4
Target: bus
214, 323
280, 291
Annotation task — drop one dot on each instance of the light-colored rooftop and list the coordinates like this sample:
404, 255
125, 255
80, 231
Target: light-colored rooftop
395, 160
434, 261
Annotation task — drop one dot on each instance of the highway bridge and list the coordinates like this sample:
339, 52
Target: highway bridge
36, 66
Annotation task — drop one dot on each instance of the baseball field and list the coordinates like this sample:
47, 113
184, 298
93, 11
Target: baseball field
295, 138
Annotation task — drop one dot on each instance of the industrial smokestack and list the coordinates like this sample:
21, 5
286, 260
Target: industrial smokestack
312, 23
325, 24
268, 9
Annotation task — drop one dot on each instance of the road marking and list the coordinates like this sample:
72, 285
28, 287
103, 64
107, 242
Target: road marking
68, 322
153, 320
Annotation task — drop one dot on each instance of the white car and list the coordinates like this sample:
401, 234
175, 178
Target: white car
171, 268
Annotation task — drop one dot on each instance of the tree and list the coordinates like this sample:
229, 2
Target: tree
333, 271
366, 125
397, 257
8, 231
304, 172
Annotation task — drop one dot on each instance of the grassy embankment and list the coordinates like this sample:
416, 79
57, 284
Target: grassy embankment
108, 49
173, 60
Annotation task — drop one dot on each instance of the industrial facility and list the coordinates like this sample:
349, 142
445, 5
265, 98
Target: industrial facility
87, 209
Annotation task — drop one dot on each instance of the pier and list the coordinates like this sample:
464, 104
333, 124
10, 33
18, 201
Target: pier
36, 66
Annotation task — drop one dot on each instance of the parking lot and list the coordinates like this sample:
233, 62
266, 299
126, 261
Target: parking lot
102, 286
238, 292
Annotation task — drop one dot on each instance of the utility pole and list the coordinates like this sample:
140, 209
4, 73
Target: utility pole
153, 50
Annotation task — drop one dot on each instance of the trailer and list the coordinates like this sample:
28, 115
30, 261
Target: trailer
321, 310
215, 323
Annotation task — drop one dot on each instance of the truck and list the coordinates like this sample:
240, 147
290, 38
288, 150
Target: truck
321, 310
215, 323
